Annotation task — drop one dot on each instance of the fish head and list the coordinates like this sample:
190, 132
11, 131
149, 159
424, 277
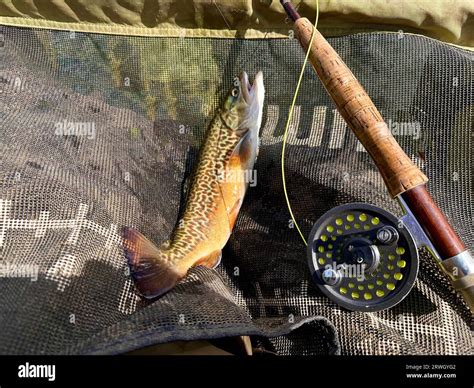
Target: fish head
243, 107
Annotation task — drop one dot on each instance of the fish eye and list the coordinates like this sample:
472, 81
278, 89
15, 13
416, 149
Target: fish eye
235, 92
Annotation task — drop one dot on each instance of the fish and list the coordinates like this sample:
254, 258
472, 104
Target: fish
215, 196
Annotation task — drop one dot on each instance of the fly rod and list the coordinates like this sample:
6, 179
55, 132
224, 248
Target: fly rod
425, 222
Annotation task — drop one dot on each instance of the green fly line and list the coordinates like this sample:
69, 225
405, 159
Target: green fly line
290, 116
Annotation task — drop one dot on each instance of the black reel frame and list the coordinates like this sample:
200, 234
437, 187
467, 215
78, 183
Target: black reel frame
362, 257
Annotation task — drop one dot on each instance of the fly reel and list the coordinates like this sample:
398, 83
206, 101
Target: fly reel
362, 257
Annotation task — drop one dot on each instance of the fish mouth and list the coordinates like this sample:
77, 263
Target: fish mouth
249, 91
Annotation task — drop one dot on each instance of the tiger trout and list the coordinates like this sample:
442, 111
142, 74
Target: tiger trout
217, 190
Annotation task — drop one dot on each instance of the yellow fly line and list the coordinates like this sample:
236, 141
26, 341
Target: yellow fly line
290, 115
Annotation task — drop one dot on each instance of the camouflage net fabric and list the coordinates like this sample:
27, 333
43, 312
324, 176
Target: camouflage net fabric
447, 21
100, 131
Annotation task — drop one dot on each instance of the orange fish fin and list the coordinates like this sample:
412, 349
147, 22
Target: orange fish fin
211, 261
242, 157
150, 269
244, 150
234, 213
236, 175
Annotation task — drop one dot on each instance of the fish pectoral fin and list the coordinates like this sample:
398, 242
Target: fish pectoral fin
234, 212
211, 261
244, 150
237, 175
151, 271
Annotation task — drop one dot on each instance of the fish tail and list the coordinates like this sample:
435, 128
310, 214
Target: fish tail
150, 268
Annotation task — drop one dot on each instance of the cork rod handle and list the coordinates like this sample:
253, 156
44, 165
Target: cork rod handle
398, 171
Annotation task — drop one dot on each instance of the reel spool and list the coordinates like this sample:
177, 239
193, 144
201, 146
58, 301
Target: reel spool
362, 257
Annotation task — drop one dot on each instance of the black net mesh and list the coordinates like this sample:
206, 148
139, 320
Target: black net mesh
139, 108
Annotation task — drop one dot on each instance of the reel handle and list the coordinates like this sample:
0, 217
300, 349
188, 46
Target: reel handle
398, 171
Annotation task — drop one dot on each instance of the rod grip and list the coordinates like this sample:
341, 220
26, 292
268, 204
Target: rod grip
398, 171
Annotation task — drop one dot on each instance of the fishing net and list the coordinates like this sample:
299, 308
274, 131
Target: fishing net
100, 131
